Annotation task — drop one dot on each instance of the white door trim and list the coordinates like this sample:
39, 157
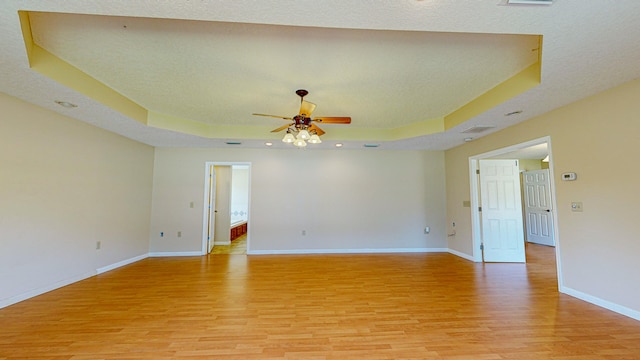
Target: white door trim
206, 201
476, 234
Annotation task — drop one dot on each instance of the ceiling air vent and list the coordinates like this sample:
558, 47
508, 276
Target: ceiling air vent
530, 2
477, 129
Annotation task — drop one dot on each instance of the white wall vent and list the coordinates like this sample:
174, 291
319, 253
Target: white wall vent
530, 2
477, 129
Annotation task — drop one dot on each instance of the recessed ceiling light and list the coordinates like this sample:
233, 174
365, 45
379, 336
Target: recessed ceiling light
66, 104
268, 143
338, 145
513, 113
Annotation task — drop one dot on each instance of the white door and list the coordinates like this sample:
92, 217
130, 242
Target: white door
537, 208
222, 211
211, 199
502, 230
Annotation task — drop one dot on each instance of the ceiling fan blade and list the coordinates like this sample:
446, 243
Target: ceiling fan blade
333, 120
316, 129
274, 116
281, 128
306, 108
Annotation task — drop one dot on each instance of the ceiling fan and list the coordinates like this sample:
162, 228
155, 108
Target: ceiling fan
302, 125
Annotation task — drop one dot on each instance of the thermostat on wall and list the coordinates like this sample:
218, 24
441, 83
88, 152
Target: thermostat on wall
570, 176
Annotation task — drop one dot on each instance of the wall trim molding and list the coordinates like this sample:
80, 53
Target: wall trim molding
121, 263
461, 254
176, 253
45, 289
623, 310
346, 251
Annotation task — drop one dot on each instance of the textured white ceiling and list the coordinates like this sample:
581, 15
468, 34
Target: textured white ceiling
384, 64
220, 73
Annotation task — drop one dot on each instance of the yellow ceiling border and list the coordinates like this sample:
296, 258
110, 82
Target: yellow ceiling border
68, 75
510, 88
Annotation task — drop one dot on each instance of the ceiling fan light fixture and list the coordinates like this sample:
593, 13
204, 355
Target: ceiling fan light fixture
315, 139
301, 130
288, 138
304, 135
300, 143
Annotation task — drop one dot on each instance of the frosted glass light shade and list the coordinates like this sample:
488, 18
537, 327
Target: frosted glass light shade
315, 139
300, 143
303, 134
288, 138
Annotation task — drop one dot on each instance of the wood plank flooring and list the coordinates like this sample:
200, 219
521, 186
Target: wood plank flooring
380, 306
237, 247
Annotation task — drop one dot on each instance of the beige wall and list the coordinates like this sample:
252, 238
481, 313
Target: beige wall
345, 200
239, 193
64, 185
530, 164
598, 139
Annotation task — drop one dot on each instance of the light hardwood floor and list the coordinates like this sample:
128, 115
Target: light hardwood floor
237, 247
380, 306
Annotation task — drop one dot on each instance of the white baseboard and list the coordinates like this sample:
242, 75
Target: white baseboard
225, 243
634, 314
460, 254
178, 253
345, 251
44, 289
121, 263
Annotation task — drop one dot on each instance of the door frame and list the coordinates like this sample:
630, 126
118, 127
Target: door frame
210, 165
476, 233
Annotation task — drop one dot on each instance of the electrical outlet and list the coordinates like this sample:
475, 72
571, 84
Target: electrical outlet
161, 233
576, 206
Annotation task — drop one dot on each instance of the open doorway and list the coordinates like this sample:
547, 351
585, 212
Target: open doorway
513, 152
226, 208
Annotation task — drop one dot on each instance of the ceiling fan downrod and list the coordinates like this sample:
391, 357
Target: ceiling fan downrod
302, 93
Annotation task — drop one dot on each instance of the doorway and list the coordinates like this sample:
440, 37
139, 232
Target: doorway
475, 191
226, 206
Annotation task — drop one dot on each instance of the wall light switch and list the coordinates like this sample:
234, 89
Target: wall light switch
427, 230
